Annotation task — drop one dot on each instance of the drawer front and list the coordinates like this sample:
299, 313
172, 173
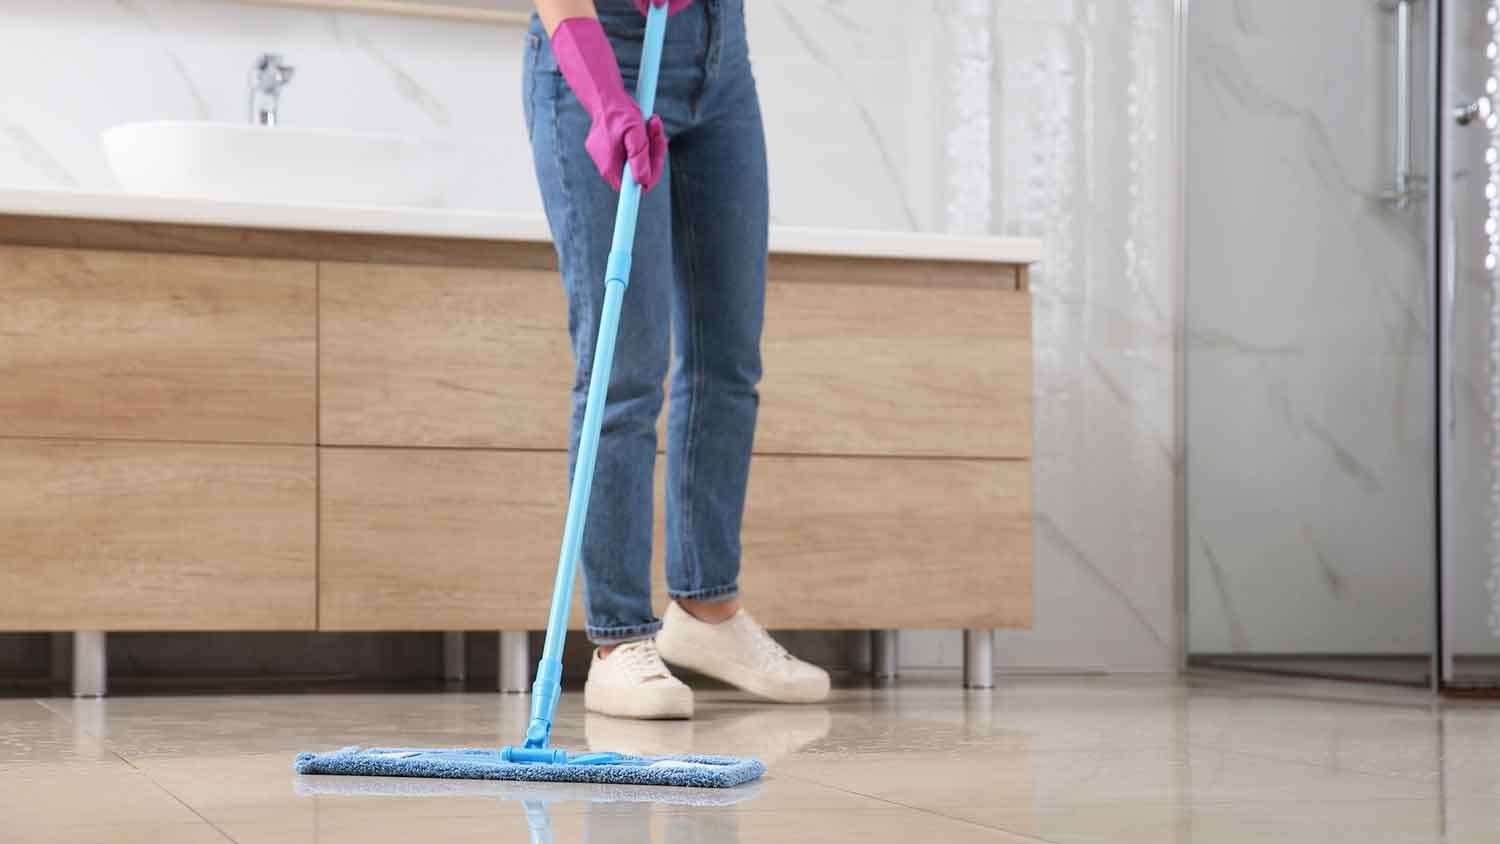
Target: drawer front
416, 539
119, 345
156, 536
896, 370
873, 543
424, 356
431, 540
433, 356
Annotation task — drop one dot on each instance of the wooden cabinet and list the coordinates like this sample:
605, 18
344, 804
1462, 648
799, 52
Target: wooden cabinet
272, 436
156, 536
121, 345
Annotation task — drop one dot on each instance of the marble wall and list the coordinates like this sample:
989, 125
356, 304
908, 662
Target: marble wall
1043, 118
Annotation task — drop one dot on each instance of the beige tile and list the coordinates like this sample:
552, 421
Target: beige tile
83, 794
897, 826
183, 833
31, 733
1078, 778
1310, 822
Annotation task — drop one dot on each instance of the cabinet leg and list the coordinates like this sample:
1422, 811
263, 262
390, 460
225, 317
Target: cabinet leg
515, 662
454, 667
90, 673
885, 653
979, 659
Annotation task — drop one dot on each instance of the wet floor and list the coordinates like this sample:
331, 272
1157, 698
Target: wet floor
1038, 759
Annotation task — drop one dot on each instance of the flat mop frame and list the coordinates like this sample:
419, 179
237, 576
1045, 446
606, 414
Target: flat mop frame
535, 761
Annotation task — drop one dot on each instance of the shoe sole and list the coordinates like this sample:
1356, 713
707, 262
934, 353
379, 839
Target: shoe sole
739, 676
666, 713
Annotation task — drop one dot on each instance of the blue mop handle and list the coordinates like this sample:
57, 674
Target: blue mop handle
616, 277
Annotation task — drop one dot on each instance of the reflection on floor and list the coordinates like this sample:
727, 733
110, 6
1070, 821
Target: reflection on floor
1039, 759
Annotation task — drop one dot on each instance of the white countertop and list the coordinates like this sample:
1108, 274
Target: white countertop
477, 225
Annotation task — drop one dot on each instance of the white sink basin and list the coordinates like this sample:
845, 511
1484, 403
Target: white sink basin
277, 164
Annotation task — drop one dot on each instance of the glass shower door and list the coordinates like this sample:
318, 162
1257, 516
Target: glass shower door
1310, 364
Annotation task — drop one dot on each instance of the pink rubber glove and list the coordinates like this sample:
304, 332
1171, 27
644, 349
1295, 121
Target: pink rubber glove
673, 6
618, 133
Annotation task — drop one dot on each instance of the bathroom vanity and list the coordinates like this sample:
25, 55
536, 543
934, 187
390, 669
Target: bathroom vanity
242, 416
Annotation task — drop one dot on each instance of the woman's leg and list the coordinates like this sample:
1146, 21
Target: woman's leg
580, 209
719, 220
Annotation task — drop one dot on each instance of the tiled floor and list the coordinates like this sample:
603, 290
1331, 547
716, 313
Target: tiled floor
1039, 759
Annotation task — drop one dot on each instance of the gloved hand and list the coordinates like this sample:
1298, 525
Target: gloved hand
673, 6
619, 132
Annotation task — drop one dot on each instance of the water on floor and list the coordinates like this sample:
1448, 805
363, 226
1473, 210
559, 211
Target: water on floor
1038, 759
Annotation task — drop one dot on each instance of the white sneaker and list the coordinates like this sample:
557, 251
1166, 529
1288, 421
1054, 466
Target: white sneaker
741, 653
633, 683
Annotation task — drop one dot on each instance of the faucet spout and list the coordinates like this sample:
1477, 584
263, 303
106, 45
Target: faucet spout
268, 76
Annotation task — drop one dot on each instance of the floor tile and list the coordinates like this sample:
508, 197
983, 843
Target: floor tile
1307, 822
1080, 778
84, 794
645, 826
182, 833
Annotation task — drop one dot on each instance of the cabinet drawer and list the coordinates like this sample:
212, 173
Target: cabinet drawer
896, 370
438, 539
848, 542
123, 345
436, 356
156, 536
432, 539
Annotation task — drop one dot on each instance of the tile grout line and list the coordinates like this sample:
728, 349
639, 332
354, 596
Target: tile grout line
167, 791
125, 760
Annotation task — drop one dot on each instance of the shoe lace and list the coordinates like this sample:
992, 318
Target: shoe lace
643, 660
769, 649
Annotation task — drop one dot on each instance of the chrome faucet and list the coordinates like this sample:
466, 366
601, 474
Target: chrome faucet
268, 76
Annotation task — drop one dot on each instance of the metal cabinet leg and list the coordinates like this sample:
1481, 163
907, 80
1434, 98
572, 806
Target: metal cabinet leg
885, 653
515, 662
455, 670
90, 674
979, 659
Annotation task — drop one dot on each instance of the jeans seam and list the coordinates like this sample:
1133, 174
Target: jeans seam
695, 391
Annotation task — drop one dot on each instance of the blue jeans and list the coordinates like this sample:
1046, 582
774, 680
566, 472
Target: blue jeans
699, 277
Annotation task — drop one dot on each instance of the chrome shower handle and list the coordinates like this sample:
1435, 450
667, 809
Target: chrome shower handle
1407, 184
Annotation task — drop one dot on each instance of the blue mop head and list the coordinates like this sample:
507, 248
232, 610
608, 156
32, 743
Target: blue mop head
544, 793
479, 764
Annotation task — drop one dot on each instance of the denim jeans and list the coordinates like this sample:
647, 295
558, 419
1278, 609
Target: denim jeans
696, 299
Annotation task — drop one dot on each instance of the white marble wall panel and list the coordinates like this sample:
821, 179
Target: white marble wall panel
1043, 118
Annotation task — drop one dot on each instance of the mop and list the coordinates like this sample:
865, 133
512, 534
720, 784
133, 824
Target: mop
534, 761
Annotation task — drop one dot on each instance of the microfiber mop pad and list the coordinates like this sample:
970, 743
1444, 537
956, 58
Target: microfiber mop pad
479, 764
526, 792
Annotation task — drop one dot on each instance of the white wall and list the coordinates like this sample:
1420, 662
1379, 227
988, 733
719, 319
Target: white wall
1044, 118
